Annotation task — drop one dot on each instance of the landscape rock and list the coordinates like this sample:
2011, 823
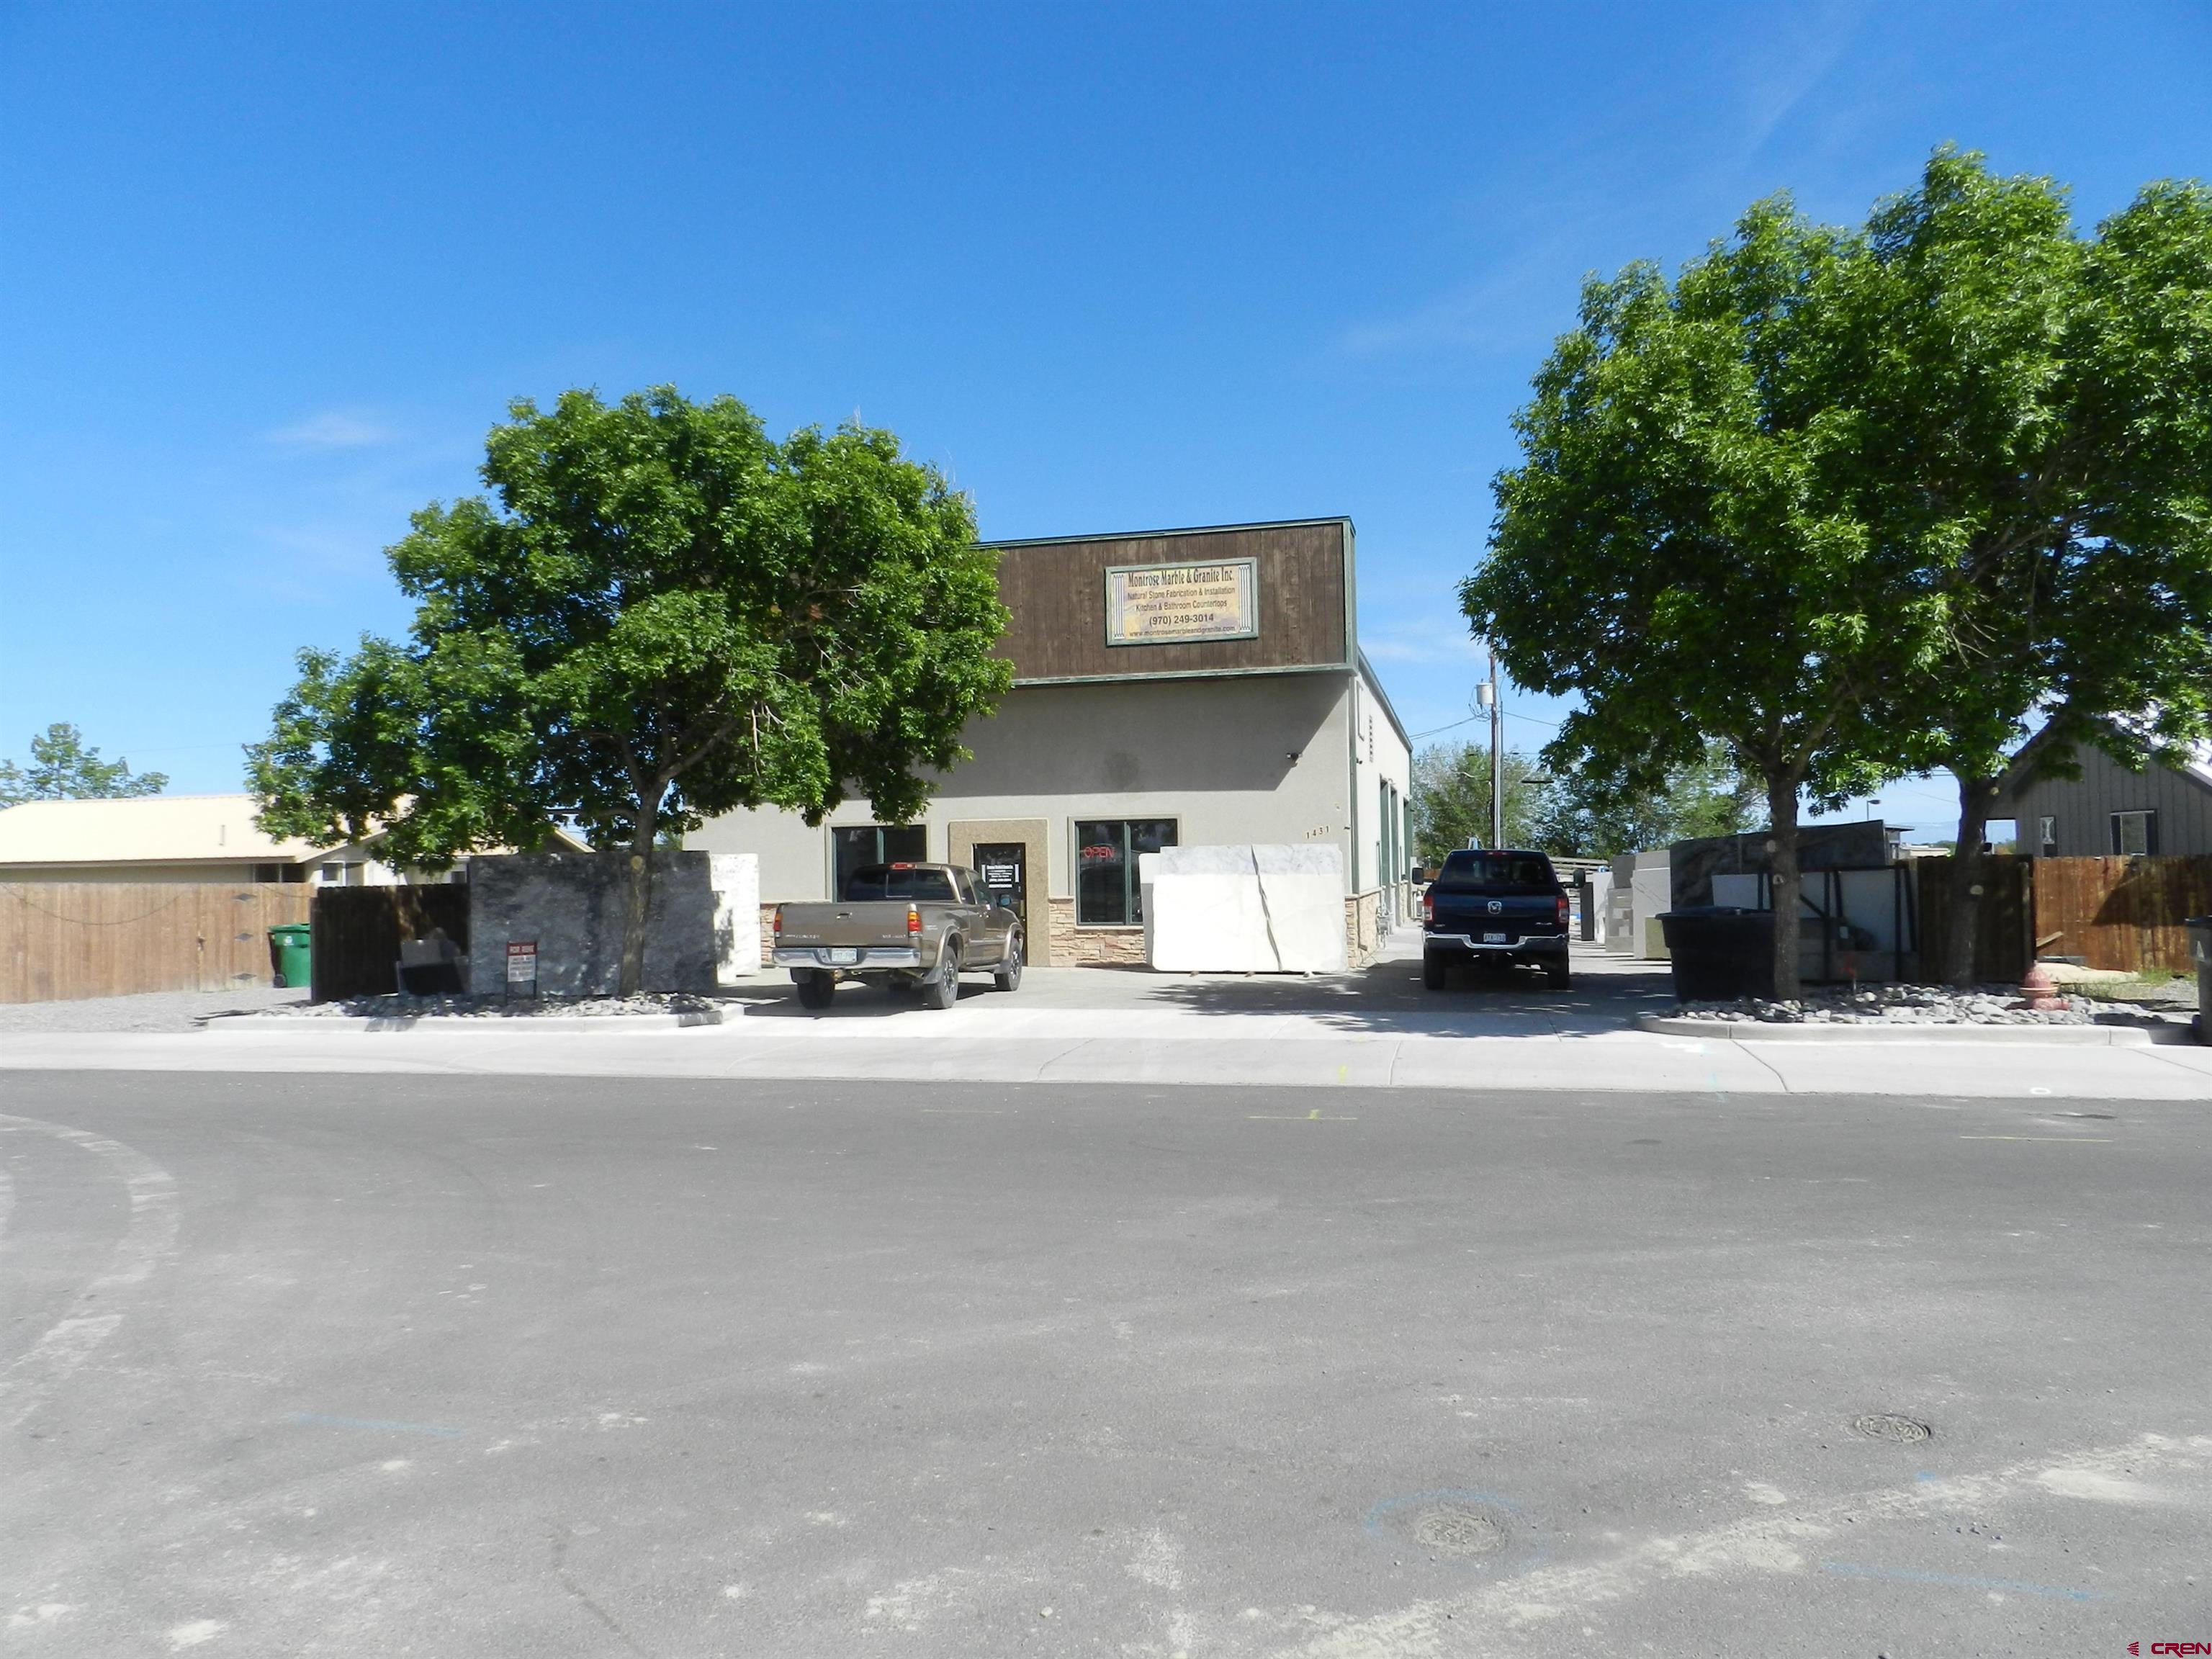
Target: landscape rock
1910, 1004
474, 1007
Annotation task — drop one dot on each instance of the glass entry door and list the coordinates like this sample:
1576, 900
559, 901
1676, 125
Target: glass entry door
1002, 872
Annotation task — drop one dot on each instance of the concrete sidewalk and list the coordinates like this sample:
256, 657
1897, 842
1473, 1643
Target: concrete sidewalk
1608, 993
1376, 1029
1168, 1047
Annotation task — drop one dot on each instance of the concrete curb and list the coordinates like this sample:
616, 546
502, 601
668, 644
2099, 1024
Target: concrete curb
618, 1025
1757, 1031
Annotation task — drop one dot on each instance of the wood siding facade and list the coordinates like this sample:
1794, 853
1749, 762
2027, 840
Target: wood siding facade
1056, 591
2082, 809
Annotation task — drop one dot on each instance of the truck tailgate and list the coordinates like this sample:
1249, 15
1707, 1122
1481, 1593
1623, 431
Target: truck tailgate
880, 922
1515, 916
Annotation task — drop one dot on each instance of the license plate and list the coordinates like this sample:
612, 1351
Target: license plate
1493, 938
841, 956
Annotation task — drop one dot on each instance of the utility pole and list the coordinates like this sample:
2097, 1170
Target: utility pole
1487, 696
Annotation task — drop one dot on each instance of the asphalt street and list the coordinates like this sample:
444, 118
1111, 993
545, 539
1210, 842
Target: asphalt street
442, 1365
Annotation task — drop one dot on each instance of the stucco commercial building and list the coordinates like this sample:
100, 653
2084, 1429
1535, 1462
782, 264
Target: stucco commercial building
1172, 688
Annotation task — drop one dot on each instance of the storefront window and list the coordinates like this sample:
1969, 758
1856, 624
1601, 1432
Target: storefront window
1107, 890
877, 843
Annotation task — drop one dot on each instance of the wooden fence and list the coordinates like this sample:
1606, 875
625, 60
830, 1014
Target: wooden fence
63, 940
358, 931
2003, 942
2121, 912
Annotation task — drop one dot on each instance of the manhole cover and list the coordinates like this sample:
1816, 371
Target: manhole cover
1459, 1530
1887, 1426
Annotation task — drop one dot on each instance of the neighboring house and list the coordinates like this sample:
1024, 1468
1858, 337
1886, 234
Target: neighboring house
180, 838
2108, 811
167, 838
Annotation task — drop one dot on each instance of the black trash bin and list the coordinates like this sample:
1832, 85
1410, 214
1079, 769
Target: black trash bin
2200, 952
1720, 952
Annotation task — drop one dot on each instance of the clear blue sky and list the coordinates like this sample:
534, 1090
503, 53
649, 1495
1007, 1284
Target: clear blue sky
268, 273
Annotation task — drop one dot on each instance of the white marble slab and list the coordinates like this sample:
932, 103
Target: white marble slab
735, 880
1250, 909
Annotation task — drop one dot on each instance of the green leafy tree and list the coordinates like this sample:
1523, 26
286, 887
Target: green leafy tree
2034, 422
1670, 550
665, 615
1451, 799
1857, 503
62, 769
1587, 816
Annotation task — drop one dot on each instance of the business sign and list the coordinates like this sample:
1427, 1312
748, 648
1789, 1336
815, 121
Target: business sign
1161, 603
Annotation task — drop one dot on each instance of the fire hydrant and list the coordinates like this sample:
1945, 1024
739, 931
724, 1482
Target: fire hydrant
2041, 991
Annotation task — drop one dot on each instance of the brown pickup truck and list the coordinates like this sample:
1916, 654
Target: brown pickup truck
919, 925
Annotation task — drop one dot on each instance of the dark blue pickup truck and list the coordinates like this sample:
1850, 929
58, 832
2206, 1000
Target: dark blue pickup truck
1494, 907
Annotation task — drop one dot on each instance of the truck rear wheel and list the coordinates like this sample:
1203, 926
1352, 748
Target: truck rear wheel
1432, 971
942, 989
815, 987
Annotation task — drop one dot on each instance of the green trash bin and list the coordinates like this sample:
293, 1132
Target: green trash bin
294, 955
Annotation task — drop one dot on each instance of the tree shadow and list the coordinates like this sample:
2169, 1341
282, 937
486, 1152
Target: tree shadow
1389, 998
1385, 999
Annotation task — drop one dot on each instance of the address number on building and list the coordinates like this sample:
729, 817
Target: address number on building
1157, 604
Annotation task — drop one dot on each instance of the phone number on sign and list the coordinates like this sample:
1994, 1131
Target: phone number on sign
1181, 618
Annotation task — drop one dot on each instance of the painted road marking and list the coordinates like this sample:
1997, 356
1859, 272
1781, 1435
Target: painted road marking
2097, 1141
149, 1239
1314, 1116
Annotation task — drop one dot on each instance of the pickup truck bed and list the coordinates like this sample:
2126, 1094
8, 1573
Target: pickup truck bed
1506, 908
919, 926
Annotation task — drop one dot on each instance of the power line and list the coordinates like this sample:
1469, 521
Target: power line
1549, 725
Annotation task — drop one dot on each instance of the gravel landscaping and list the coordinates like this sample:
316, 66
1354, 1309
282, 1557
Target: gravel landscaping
472, 1007
1919, 1005
148, 1011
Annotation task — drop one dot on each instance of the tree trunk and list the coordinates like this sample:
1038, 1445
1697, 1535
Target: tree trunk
1969, 876
1788, 883
639, 909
